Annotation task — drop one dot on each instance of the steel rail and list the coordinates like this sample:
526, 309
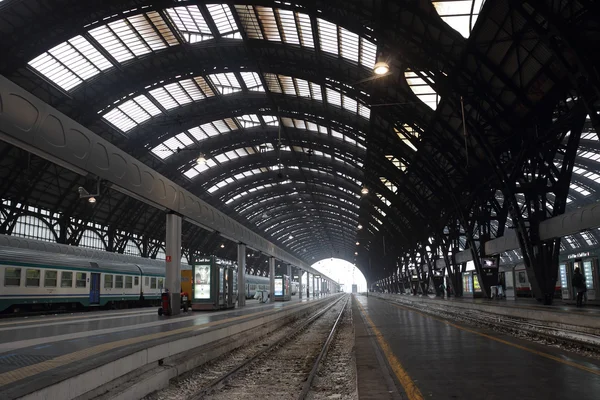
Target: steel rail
201, 394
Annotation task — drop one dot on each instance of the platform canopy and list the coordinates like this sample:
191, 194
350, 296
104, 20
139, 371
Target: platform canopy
271, 112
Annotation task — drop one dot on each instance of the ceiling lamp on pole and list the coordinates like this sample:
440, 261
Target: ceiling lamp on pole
201, 159
364, 190
357, 243
222, 246
381, 68
359, 227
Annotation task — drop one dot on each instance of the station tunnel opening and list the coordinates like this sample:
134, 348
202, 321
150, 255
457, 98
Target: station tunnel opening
345, 274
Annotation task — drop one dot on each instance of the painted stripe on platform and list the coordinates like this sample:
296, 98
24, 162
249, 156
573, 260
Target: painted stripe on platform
35, 369
594, 371
411, 390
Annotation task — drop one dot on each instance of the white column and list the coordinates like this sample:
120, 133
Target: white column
299, 284
173, 262
313, 286
272, 279
241, 274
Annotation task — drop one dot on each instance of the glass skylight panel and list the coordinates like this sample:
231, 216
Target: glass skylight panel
368, 53
328, 36
225, 83
333, 97
223, 19
364, 111
209, 129
349, 45
316, 91
272, 83
288, 26
405, 138
190, 23
270, 120
459, 14
252, 81
266, 15
249, 121
422, 89
349, 104
131, 113
305, 30
249, 21
191, 173
70, 63
303, 87
287, 84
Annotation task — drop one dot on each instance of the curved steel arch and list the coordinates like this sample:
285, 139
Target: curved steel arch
274, 206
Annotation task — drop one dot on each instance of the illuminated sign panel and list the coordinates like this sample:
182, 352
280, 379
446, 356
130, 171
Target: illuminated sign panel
202, 281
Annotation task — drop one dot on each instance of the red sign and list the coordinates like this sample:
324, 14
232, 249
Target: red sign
168, 258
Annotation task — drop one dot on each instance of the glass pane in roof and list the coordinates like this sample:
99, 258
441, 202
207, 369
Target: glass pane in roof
108, 39
272, 83
204, 86
459, 14
221, 126
266, 17
305, 30
190, 23
184, 139
221, 158
334, 97
270, 120
161, 151
225, 83
192, 89
328, 36
368, 53
222, 17
248, 121
153, 30
209, 129
178, 93
316, 91
364, 111
198, 134
70, 63
349, 45
422, 89
349, 104
287, 84
190, 173
119, 119
164, 98
303, 87
252, 81
288, 26
249, 21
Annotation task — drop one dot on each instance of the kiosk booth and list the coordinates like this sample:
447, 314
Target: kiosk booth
588, 265
470, 284
214, 284
283, 291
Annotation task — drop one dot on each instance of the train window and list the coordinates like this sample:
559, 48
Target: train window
136, 282
66, 279
12, 277
147, 281
153, 283
32, 277
128, 282
108, 281
80, 279
160, 283
50, 278
522, 277
118, 281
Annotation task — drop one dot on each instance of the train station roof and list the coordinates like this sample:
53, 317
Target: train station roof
271, 111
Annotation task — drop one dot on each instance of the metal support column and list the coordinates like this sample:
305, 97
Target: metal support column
241, 274
307, 285
299, 284
313, 286
173, 262
271, 280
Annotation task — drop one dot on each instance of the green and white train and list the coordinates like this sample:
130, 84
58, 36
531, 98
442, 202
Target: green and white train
33, 280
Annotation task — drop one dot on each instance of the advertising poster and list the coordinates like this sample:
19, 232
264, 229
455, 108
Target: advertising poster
279, 287
202, 281
476, 283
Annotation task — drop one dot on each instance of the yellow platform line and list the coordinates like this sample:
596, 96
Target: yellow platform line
35, 369
515, 345
410, 388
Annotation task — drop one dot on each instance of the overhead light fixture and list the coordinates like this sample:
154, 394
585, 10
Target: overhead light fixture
290, 237
201, 159
222, 246
364, 190
84, 194
357, 243
356, 253
359, 227
381, 68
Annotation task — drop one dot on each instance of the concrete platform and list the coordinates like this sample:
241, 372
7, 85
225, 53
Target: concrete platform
65, 356
586, 317
434, 358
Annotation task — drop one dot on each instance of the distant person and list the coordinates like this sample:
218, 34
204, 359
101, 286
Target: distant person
579, 285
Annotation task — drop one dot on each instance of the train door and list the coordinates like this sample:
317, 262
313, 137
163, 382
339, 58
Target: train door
95, 288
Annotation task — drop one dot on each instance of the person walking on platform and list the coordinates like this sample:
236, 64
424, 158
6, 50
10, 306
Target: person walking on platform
579, 284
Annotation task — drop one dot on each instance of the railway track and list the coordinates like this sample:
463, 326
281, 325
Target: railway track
283, 365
